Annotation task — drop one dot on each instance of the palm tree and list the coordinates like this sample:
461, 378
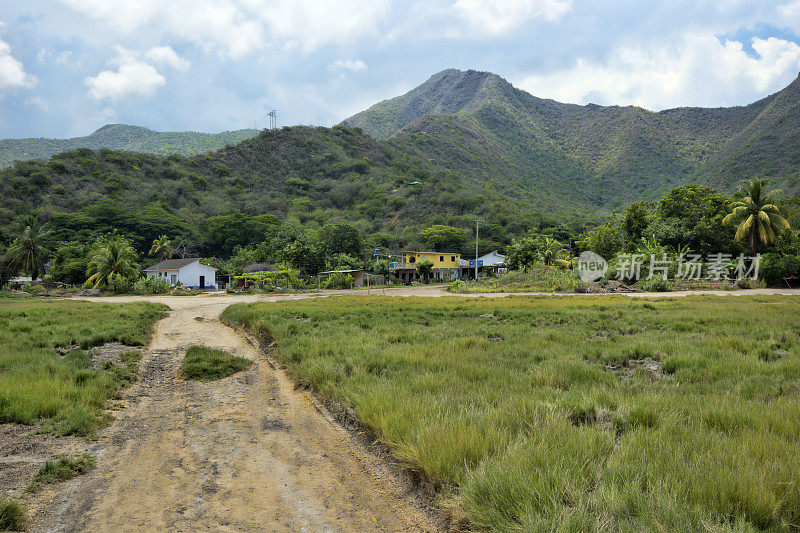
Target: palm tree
31, 248
553, 252
162, 247
114, 261
756, 216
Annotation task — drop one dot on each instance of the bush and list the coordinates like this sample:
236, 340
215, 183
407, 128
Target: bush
656, 284
151, 286
270, 281
338, 280
775, 266
32, 288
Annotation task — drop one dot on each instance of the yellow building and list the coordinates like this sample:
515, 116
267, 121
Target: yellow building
446, 266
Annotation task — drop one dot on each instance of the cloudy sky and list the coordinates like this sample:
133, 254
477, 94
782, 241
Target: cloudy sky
69, 66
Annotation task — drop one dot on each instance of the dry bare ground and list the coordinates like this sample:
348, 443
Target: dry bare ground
248, 452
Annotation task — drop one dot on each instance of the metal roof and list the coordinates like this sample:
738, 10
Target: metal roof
174, 264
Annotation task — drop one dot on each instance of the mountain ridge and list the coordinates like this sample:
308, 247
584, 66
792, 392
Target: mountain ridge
622, 153
121, 137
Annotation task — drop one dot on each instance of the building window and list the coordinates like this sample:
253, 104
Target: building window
453, 259
412, 259
441, 258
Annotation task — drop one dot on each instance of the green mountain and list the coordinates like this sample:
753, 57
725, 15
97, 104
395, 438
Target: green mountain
462, 145
606, 155
122, 137
305, 176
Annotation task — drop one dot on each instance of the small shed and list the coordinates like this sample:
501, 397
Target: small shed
190, 271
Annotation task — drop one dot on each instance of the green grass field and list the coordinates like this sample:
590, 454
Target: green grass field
37, 385
567, 413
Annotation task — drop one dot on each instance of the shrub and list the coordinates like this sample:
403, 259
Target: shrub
151, 286
654, 285
774, 267
338, 280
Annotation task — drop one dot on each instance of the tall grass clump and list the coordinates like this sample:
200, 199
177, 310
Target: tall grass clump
12, 516
63, 393
207, 364
566, 413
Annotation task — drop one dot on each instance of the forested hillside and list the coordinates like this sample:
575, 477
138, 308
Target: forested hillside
306, 177
611, 155
122, 137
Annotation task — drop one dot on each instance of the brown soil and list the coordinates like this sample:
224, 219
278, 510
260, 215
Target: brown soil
248, 452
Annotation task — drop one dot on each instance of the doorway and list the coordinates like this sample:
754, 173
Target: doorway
202, 282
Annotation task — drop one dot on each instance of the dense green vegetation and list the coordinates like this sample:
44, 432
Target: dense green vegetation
302, 177
207, 364
619, 154
63, 392
462, 146
122, 137
571, 413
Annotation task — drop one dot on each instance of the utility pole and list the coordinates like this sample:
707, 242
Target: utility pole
477, 223
273, 119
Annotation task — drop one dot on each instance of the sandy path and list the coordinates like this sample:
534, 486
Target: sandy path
244, 453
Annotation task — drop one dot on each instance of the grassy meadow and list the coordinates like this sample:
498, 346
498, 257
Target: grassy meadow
38, 385
567, 413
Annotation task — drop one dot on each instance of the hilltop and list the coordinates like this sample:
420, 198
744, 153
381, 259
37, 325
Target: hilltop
122, 137
612, 154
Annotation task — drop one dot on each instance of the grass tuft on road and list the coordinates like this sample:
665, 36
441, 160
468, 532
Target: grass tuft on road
62, 469
208, 364
12, 516
567, 413
37, 385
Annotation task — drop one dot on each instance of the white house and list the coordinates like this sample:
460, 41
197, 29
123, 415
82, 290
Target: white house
188, 271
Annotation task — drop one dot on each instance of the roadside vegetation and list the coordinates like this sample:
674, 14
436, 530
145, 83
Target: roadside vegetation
577, 414
61, 469
207, 364
12, 516
47, 376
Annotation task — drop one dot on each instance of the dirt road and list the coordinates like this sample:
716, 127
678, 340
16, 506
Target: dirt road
244, 453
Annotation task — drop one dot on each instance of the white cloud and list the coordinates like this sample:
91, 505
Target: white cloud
700, 70
495, 17
238, 27
214, 25
165, 55
354, 65
124, 15
133, 77
12, 72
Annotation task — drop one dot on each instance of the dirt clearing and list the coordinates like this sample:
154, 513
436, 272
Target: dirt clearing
247, 452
